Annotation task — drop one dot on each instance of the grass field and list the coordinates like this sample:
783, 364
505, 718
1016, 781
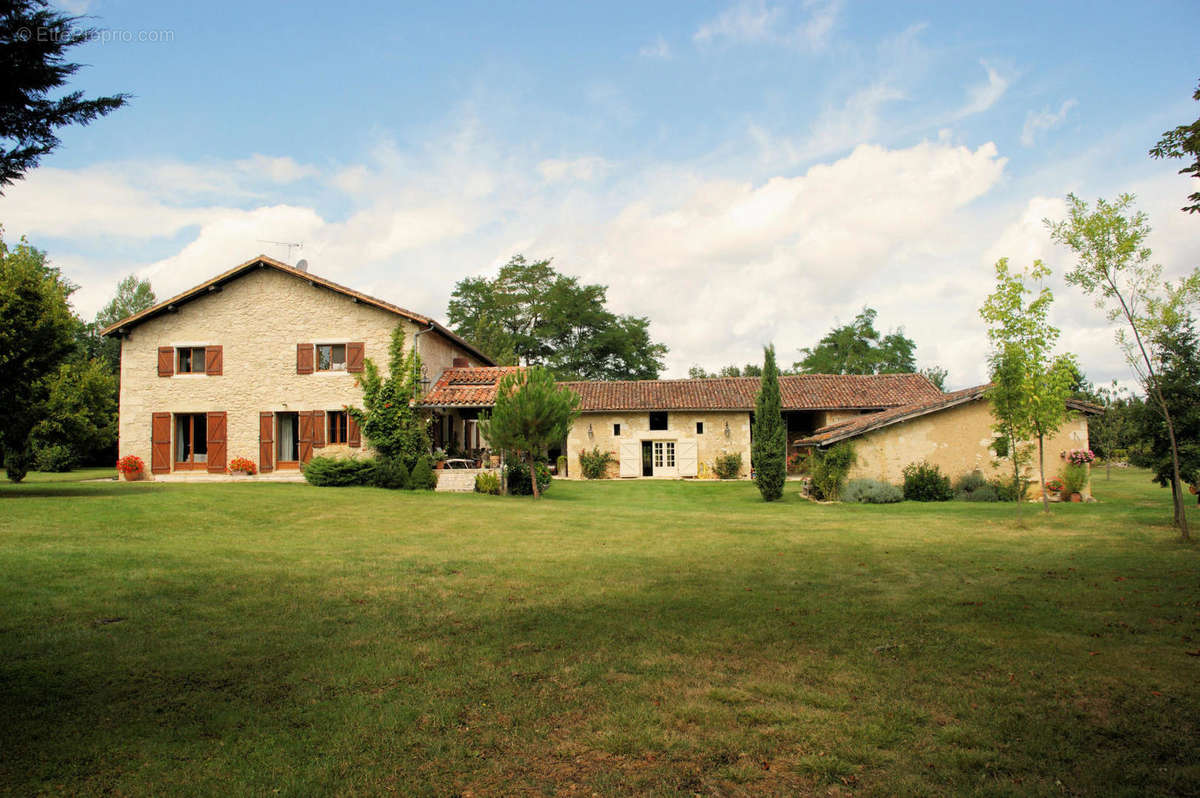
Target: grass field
614, 638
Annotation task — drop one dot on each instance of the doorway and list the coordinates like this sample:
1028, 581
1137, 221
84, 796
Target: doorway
658, 459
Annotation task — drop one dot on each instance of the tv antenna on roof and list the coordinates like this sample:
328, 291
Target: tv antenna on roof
288, 244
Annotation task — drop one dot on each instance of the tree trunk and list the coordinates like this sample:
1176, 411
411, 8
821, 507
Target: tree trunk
1042, 474
1176, 480
1012, 442
533, 475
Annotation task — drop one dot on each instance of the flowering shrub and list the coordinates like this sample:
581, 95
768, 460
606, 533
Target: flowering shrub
131, 464
243, 464
1054, 485
1079, 456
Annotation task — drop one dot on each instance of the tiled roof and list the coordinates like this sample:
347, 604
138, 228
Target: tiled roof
263, 262
873, 421
799, 392
476, 387
467, 387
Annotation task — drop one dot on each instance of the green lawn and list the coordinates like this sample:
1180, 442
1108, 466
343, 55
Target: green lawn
615, 638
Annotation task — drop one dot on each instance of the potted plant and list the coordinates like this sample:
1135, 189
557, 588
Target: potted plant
1054, 487
439, 458
1075, 472
132, 467
242, 467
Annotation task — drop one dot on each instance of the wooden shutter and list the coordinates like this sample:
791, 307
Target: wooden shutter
216, 442
353, 434
213, 361
685, 458
355, 353
266, 442
318, 437
306, 436
631, 458
160, 443
166, 361
304, 358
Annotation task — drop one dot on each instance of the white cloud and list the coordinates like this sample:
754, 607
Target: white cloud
584, 169
983, 96
656, 49
755, 21
276, 170
1041, 121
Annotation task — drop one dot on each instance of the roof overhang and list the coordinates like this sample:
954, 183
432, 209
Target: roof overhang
216, 284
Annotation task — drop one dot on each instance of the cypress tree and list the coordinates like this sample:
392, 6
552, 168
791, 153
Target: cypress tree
768, 452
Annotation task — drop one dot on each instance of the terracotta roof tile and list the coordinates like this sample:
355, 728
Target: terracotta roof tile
872, 421
476, 387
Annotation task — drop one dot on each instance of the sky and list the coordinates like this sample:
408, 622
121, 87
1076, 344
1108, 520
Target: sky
742, 173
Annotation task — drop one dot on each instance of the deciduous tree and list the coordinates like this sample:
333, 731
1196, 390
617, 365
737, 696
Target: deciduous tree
1113, 265
36, 335
533, 315
1183, 142
1031, 384
389, 418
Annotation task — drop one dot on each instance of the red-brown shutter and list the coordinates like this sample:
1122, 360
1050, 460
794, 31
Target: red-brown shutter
353, 435
355, 352
213, 361
160, 443
266, 442
216, 443
166, 361
306, 436
318, 437
304, 358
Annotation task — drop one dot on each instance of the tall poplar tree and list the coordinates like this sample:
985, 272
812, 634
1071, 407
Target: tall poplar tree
768, 452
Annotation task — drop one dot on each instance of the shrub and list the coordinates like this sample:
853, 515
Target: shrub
422, 476
926, 483
830, 468
488, 482
1074, 477
561, 464
1010, 489
54, 457
518, 478
984, 493
389, 473
594, 464
871, 491
728, 466
969, 483
973, 487
336, 472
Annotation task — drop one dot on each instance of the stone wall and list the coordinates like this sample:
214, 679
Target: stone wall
958, 440
681, 425
257, 319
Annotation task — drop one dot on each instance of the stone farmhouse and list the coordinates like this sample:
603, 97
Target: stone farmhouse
261, 362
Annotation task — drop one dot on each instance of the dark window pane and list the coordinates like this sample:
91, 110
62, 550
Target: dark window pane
658, 421
699, 427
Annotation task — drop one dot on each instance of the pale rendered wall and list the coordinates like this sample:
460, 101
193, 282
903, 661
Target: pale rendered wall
437, 354
258, 319
680, 426
957, 440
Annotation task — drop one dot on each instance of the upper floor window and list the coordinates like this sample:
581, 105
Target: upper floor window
658, 420
190, 360
331, 357
617, 430
699, 427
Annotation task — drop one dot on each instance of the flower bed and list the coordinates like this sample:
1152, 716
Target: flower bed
243, 465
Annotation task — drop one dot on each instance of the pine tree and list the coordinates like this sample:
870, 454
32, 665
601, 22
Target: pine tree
531, 413
768, 454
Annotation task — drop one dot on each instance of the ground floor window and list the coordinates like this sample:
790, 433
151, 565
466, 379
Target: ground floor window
288, 435
339, 426
191, 438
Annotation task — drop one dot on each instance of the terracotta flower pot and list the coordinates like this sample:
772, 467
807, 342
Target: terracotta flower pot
1076, 497
133, 476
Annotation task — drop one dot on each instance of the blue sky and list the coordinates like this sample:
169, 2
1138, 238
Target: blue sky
740, 172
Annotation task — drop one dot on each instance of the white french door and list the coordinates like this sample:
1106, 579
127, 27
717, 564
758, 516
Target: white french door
664, 459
